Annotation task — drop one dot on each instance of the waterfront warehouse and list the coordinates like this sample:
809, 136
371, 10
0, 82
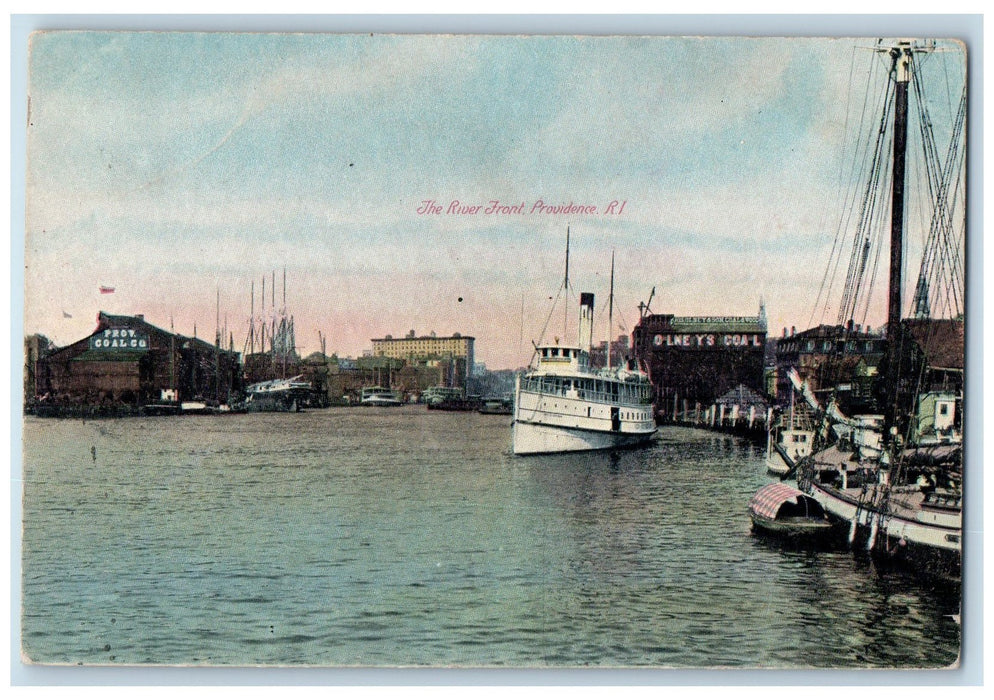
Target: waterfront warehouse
127, 364
697, 359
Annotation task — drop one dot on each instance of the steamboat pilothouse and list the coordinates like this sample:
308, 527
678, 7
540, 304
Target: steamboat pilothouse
562, 404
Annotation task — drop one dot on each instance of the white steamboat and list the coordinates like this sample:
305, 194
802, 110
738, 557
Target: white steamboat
562, 404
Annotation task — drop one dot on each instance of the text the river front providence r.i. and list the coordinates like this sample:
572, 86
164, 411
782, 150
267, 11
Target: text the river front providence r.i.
495, 207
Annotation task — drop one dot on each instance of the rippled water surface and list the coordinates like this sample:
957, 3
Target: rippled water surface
377, 537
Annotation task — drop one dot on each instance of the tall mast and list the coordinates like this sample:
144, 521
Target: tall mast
217, 318
172, 358
272, 333
217, 346
262, 319
566, 288
901, 56
610, 313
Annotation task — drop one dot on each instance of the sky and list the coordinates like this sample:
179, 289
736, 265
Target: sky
181, 169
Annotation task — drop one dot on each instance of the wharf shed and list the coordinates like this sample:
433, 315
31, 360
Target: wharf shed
127, 363
933, 358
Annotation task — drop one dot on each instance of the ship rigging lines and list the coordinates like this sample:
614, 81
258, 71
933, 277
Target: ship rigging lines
935, 195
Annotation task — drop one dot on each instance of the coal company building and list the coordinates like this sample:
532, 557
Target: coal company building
695, 360
127, 364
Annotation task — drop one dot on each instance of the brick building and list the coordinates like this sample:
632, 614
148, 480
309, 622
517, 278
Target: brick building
695, 360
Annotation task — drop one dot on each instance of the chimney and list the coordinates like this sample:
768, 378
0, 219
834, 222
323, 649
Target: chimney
586, 321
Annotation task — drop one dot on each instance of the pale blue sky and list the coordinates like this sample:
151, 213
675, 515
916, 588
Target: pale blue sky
175, 166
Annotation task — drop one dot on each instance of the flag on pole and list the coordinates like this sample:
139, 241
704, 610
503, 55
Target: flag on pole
106, 290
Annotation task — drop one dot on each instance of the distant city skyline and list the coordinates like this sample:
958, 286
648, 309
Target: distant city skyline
427, 182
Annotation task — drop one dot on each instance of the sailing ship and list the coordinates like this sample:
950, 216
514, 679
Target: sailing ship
894, 478
562, 404
278, 384
288, 395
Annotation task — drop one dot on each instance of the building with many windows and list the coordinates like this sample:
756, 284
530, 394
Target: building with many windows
456, 349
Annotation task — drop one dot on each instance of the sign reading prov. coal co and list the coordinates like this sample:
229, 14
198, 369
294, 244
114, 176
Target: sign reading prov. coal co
119, 339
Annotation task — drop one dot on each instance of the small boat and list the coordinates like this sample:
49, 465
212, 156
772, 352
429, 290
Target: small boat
499, 407
436, 395
380, 396
786, 445
779, 509
791, 435
470, 403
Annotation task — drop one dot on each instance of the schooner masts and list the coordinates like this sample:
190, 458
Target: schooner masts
901, 56
282, 342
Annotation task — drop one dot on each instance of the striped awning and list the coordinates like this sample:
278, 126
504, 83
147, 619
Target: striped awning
768, 499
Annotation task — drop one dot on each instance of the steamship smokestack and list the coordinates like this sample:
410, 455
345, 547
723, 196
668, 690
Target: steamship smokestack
586, 339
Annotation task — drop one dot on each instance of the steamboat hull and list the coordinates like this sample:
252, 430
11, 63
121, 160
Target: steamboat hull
544, 423
275, 403
535, 438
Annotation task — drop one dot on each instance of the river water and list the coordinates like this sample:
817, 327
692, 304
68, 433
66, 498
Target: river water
406, 537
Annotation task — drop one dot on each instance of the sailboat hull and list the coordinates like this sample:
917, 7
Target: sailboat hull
778, 464
932, 541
